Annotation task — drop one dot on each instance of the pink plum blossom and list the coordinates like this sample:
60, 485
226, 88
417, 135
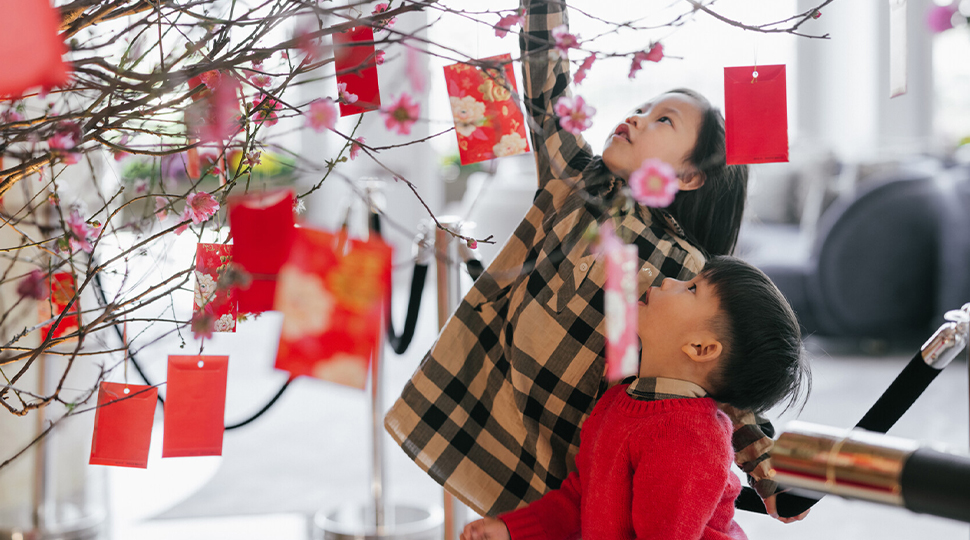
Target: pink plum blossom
260, 80
203, 324
252, 158
384, 23
34, 285
345, 96
355, 147
654, 184
323, 114
266, 107
940, 18
199, 207
581, 72
211, 79
379, 58
655, 54
506, 23
161, 207
414, 70
79, 232
65, 140
472, 243
217, 121
401, 114
564, 40
10, 116
574, 114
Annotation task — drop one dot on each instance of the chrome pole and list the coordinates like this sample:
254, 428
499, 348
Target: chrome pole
376, 203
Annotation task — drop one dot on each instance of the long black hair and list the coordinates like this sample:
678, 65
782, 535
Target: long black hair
711, 214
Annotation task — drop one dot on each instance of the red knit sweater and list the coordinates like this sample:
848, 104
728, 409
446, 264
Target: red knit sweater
646, 470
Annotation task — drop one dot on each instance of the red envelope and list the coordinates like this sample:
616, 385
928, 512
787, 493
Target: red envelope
331, 293
210, 260
756, 114
195, 406
356, 65
123, 425
488, 120
30, 47
63, 290
622, 346
262, 231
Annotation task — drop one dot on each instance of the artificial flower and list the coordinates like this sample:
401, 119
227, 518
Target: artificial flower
574, 114
266, 107
654, 184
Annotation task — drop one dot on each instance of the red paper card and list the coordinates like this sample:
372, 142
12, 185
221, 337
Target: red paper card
331, 293
210, 261
195, 406
622, 346
63, 290
488, 120
123, 425
262, 232
30, 46
756, 114
356, 65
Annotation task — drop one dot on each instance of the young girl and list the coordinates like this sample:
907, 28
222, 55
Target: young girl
710, 337
494, 410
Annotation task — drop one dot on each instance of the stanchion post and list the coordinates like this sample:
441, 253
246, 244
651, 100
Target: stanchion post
375, 202
448, 275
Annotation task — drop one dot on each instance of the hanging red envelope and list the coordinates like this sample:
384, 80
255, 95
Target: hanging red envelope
756, 114
211, 260
622, 346
488, 120
63, 290
262, 230
30, 46
356, 65
331, 293
195, 406
123, 425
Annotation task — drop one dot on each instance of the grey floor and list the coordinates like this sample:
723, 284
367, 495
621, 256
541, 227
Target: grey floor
311, 451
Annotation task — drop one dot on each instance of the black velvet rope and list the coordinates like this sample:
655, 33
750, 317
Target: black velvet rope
134, 362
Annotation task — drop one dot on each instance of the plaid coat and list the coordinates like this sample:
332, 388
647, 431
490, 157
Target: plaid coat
494, 410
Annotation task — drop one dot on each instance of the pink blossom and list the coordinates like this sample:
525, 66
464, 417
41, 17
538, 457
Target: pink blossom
379, 58
161, 207
79, 232
266, 107
654, 184
655, 54
472, 243
252, 158
506, 23
345, 96
581, 72
260, 80
355, 147
940, 18
574, 114
323, 114
384, 23
64, 140
216, 121
141, 186
34, 285
308, 45
203, 324
199, 207
401, 114
414, 70
564, 40
211, 79
11, 116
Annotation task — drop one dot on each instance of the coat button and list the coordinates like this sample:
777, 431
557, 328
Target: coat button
583, 267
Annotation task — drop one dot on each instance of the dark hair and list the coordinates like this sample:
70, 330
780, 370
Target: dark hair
711, 214
762, 363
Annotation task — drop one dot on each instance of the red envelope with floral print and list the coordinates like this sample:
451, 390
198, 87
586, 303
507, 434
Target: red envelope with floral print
622, 346
488, 120
63, 289
331, 293
123, 425
262, 231
195, 405
30, 46
210, 261
356, 65
755, 114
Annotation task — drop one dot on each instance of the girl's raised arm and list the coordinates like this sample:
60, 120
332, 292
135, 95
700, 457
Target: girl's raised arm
559, 153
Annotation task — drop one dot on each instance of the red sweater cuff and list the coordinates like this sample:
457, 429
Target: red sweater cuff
522, 525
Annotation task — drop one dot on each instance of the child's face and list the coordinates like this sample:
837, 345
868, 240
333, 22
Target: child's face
664, 128
675, 313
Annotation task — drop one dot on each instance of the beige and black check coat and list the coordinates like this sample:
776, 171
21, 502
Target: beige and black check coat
494, 410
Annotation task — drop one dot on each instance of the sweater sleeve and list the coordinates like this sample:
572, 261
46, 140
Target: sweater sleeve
553, 517
677, 485
558, 153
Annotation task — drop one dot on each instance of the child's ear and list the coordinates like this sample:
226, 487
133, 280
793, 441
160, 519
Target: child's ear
691, 180
703, 350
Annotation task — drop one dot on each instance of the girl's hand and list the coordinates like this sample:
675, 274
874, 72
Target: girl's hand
772, 508
486, 529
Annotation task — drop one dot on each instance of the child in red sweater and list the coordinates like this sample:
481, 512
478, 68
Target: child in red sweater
655, 453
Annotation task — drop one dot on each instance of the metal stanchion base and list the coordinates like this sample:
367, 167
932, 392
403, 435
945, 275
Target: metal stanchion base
401, 522
89, 528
